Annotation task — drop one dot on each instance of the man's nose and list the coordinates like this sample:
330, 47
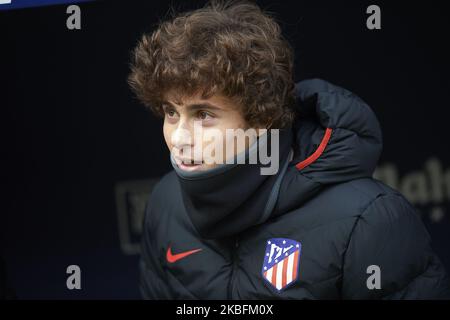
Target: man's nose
182, 137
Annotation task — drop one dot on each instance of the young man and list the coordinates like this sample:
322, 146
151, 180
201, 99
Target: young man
318, 226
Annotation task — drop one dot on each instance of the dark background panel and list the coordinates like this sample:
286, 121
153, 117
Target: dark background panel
80, 154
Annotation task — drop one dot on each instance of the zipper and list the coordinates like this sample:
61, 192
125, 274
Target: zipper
234, 266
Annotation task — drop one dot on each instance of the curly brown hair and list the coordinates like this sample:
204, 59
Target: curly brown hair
233, 48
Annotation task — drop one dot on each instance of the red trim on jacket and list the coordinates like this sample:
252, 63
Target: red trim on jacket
316, 153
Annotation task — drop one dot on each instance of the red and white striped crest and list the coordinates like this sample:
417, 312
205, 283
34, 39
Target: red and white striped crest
281, 261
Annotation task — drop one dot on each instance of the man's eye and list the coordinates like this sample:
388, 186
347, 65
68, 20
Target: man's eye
203, 115
170, 113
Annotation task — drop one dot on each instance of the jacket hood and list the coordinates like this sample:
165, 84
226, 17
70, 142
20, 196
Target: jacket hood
335, 138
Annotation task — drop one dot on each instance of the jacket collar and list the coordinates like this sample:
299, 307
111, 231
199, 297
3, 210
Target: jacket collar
230, 198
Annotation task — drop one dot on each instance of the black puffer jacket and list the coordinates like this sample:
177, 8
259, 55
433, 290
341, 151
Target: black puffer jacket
321, 228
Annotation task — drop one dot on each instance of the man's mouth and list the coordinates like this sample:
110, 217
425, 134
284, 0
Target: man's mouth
189, 164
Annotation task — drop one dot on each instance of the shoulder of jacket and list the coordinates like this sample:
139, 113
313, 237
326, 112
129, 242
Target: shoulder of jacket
348, 201
165, 186
364, 192
388, 208
162, 195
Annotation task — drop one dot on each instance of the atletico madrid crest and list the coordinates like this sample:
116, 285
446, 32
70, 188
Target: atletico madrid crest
281, 261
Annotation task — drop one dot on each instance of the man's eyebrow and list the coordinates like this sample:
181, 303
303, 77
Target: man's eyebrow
197, 106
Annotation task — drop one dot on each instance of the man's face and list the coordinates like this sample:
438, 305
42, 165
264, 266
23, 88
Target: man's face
191, 127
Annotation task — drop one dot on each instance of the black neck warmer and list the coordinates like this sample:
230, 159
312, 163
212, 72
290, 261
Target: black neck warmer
230, 198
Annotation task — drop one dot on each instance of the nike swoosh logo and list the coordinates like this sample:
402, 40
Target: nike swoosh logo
171, 258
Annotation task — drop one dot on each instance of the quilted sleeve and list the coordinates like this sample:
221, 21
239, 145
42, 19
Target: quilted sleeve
389, 255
